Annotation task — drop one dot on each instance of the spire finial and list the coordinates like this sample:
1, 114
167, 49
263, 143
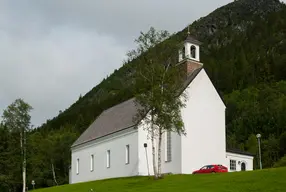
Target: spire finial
189, 30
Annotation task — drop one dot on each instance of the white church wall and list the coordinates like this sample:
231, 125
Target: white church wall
145, 166
237, 160
204, 118
116, 143
173, 166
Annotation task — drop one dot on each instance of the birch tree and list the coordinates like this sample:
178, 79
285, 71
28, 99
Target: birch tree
158, 85
16, 119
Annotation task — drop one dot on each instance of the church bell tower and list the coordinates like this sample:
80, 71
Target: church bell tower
189, 54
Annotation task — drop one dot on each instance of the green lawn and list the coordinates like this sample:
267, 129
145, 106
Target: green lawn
261, 181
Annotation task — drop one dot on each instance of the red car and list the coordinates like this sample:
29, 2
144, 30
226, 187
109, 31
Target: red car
211, 169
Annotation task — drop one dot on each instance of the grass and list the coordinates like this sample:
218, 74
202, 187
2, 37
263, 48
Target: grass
268, 180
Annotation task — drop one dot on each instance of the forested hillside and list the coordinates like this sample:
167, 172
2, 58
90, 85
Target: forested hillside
244, 53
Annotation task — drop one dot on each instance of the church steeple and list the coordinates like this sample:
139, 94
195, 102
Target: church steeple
190, 48
189, 54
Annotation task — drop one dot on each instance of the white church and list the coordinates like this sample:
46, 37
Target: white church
114, 146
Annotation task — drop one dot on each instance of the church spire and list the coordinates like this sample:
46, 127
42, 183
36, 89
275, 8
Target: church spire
190, 48
189, 54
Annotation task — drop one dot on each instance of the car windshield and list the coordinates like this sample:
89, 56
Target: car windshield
205, 167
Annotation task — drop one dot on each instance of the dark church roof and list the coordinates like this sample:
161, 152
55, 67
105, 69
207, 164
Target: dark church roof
114, 119
119, 117
191, 39
237, 151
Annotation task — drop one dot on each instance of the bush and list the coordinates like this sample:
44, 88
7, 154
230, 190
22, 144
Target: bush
281, 162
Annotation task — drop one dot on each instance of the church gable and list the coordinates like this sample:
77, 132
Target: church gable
203, 85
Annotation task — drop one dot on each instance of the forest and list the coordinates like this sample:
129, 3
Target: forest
244, 54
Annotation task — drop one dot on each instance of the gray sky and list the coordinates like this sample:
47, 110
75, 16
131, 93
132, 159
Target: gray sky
53, 51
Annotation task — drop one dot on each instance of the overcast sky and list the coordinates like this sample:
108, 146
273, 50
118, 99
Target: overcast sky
53, 51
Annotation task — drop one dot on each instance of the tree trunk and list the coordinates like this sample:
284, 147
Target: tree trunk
54, 173
24, 176
23, 154
160, 129
153, 148
159, 152
154, 156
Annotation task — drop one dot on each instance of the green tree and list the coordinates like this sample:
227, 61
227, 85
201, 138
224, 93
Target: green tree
282, 144
251, 144
270, 148
49, 156
5, 179
17, 120
158, 83
281, 162
252, 147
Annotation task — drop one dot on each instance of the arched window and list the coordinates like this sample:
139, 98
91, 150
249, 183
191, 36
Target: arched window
243, 166
183, 53
193, 51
